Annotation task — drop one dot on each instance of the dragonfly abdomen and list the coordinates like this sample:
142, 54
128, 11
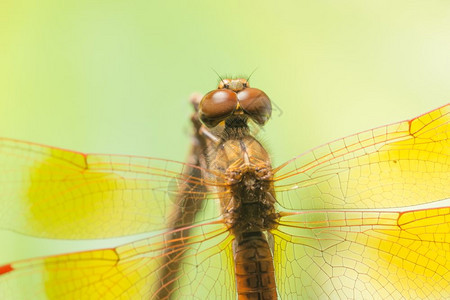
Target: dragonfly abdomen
255, 277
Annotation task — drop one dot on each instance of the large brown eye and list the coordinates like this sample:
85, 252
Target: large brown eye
216, 106
256, 104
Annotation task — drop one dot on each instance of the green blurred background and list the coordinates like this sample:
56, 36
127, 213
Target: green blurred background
115, 76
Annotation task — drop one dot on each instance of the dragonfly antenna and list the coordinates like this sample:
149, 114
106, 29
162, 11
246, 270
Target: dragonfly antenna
221, 79
248, 78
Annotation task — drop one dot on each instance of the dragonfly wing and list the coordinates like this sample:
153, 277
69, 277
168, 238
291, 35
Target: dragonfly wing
55, 193
397, 165
132, 271
364, 255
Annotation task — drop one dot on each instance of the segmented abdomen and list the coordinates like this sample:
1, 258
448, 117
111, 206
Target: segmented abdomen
255, 276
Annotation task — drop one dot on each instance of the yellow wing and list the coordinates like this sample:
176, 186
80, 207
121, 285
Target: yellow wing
364, 255
55, 193
132, 271
397, 165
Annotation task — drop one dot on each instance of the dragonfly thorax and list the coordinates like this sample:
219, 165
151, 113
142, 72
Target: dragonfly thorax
248, 198
249, 204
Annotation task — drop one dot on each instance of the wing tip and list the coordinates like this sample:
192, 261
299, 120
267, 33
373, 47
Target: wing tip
6, 269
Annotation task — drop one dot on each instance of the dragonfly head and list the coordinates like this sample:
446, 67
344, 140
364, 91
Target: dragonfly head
234, 97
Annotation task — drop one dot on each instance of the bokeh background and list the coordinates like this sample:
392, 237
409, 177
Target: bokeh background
115, 76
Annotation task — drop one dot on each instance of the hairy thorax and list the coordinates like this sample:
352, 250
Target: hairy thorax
247, 196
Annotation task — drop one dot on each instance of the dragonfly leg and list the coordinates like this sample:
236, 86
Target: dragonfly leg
191, 194
209, 135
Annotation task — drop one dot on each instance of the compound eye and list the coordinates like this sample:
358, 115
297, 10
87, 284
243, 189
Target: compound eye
216, 106
256, 104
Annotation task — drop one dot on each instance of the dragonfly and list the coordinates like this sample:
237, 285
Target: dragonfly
366, 216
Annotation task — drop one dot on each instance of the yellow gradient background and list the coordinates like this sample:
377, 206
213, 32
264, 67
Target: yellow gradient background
115, 76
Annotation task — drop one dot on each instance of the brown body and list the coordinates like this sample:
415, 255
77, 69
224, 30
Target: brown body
253, 260
247, 195
248, 210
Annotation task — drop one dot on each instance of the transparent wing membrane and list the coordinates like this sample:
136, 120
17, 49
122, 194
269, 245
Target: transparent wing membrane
364, 255
346, 228
397, 165
55, 193
130, 271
